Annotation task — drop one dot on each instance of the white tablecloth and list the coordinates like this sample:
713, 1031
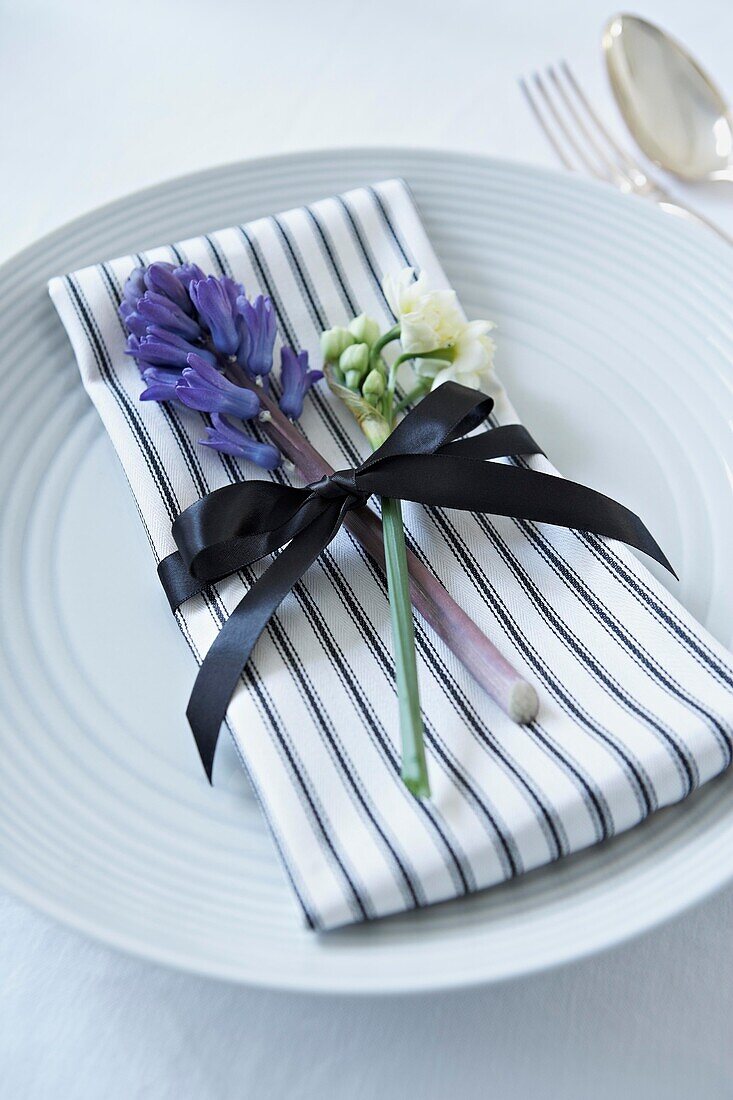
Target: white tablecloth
104, 99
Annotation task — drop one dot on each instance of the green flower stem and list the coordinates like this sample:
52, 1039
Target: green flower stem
392, 379
392, 383
479, 656
380, 344
419, 390
410, 398
414, 764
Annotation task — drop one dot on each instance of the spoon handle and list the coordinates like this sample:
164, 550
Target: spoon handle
688, 214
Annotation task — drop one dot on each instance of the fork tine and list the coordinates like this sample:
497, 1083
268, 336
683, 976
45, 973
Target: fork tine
575, 122
624, 158
611, 168
566, 130
632, 171
547, 130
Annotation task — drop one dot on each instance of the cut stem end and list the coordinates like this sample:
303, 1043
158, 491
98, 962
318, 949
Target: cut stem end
523, 703
417, 784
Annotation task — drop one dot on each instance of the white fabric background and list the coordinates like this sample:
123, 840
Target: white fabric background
101, 100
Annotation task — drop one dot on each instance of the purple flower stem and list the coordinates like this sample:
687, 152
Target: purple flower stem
474, 650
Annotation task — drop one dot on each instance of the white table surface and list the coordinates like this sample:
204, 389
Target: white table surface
101, 99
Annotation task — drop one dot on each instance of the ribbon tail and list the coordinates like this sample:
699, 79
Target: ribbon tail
500, 442
226, 659
178, 584
445, 481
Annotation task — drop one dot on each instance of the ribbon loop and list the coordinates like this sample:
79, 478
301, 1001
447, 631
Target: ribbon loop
429, 458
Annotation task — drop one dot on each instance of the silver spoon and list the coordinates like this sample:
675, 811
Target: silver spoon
674, 111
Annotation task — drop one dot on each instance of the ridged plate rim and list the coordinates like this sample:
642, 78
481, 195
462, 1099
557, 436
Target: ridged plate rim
74, 243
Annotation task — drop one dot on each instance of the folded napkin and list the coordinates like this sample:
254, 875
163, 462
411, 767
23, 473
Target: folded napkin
636, 700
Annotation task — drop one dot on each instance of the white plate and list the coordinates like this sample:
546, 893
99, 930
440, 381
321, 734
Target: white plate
105, 820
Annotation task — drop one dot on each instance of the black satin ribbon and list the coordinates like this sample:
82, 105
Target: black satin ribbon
425, 459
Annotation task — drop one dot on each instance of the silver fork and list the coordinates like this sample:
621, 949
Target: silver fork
581, 142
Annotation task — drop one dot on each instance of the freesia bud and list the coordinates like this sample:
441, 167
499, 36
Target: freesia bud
352, 379
355, 358
334, 341
364, 329
373, 385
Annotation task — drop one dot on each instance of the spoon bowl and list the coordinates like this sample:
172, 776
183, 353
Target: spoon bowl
675, 113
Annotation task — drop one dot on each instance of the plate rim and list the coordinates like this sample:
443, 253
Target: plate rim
265, 160
381, 986
325, 983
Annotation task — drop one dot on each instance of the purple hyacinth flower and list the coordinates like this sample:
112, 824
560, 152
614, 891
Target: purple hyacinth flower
244, 340
259, 317
296, 380
228, 440
162, 278
189, 273
202, 387
134, 287
233, 290
161, 384
161, 348
132, 320
213, 301
156, 309
133, 349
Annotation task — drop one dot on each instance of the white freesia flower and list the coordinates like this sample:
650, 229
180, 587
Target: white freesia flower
403, 291
434, 323
473, 357
431, 320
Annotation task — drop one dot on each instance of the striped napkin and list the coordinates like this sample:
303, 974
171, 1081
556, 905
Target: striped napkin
636, 700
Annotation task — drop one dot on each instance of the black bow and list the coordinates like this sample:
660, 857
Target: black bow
426, 460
